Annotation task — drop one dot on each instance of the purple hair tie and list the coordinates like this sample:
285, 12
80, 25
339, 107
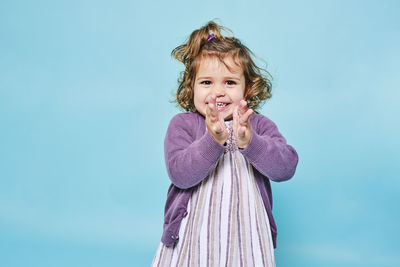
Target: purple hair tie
210, 37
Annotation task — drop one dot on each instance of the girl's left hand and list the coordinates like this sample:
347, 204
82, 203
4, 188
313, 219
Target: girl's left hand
241, 124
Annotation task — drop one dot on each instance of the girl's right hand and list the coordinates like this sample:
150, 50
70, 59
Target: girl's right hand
215, 122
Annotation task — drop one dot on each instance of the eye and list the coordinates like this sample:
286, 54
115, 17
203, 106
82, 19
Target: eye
231, 82
206, 82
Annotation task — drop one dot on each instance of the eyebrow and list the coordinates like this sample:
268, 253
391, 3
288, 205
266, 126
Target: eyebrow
227, 77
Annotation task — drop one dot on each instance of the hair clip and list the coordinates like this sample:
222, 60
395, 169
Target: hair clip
210, 37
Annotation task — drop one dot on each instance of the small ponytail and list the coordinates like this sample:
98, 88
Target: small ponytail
186, 53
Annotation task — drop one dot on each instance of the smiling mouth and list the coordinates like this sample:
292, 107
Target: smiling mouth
222, 106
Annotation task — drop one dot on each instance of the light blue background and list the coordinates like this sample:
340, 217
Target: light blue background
84, 106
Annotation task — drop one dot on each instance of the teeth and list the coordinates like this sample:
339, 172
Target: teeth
221, 104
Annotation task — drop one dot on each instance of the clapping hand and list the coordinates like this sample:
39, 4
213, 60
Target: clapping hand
241, 124
215, 122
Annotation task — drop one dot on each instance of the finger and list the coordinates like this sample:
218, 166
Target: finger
213, 104
212, 107
212, 98
245, 117
236, 123
209, 114
235, 117
242, 107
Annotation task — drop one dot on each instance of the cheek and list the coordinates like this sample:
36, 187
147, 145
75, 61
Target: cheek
238, 96
243, 94
199, 97
198, 100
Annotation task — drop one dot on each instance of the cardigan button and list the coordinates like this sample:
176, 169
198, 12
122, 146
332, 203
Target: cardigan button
175, 237
185, 214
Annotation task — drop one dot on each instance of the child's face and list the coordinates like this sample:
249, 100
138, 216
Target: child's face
213, 78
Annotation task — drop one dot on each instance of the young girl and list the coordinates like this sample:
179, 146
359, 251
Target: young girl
220, 157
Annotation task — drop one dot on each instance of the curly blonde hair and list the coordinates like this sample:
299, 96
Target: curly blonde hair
258, 81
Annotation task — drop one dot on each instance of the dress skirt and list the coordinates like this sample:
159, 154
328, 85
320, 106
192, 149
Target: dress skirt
227, 223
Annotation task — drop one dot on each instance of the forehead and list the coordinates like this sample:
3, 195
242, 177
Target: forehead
214, 64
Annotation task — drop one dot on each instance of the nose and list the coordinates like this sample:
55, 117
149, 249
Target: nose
218, 90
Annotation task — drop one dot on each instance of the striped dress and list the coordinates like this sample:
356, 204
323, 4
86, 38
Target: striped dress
227, 224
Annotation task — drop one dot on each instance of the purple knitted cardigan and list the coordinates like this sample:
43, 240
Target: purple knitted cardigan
191, 153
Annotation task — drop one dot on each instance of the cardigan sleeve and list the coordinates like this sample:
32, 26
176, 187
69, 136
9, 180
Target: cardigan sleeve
268, 151
189, 160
